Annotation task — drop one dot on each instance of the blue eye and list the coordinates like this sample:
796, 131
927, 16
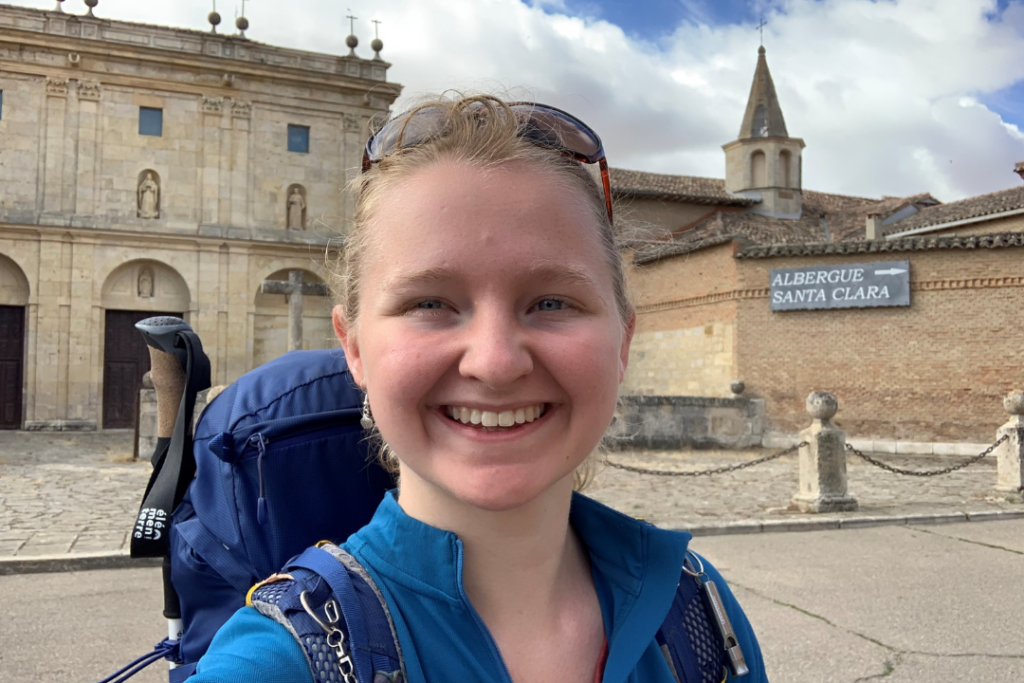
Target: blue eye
431, 305
551, 305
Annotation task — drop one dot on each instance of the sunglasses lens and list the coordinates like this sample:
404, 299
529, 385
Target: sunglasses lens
553, 128
405, 131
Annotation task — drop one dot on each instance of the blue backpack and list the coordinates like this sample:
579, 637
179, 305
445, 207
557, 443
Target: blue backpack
281, 463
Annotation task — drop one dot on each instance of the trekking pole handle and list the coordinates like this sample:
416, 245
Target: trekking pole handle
166, 368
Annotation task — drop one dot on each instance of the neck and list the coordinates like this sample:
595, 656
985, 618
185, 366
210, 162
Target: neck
514, 561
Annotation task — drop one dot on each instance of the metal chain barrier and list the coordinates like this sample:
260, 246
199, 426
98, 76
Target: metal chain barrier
703, 473
930, 473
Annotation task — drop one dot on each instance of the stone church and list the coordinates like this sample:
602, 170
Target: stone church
147, 170
924, 374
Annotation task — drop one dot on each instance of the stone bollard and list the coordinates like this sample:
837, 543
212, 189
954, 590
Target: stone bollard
147, 419
1010, 454
823, 460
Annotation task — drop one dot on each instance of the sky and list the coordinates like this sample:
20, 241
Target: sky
892, 97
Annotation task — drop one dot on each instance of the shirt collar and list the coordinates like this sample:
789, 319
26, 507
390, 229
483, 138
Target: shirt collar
636, 567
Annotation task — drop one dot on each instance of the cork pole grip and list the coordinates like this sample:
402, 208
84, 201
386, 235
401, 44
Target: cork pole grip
169, 383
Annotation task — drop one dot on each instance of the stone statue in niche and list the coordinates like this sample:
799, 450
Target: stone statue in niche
149, 197
146, 283
296, 209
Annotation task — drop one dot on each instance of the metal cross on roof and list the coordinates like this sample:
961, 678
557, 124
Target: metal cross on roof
351, 22
376, 27
760, 27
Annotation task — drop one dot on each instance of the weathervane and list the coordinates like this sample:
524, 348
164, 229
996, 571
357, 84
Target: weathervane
760, 27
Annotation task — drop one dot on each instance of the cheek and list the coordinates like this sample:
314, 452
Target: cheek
400, 366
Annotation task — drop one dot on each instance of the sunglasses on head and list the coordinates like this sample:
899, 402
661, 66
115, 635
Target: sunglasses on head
540, 124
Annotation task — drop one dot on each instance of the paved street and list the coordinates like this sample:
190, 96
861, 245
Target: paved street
78, 493
937, 604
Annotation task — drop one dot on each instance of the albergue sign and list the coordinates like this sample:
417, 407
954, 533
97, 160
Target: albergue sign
851, 285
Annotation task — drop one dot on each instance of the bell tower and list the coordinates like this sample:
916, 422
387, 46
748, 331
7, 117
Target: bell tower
765, 162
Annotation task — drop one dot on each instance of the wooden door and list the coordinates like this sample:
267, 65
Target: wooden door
125, 361
12, 354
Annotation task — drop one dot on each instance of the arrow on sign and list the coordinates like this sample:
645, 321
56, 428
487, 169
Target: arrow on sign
891, 271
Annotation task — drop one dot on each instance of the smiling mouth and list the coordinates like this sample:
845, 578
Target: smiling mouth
490, 420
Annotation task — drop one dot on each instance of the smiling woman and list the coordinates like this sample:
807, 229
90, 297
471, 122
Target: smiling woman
482, 309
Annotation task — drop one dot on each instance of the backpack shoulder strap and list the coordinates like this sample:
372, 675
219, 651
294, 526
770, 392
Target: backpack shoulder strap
696, 638
337, 614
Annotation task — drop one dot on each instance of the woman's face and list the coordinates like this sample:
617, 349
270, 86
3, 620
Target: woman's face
488, 337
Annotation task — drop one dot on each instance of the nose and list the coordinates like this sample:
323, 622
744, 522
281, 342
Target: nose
495, 352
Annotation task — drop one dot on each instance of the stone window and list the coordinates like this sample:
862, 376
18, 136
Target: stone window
151, 121
298, 138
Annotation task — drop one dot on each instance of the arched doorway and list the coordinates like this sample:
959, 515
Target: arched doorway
270, 321
14, 293
134, 291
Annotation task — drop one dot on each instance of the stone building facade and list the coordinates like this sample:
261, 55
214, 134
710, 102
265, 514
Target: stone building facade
933, 371
146, 169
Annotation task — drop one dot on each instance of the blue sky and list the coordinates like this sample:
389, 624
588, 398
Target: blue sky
892, 97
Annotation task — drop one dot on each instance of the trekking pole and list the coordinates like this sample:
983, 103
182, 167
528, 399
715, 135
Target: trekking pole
170, 367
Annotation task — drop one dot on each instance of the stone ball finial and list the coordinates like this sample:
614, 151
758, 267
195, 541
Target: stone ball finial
377, 45
1014, 402
352, 41
91, 4
822, 405
241, 23
737, 387
760, 50
214, 19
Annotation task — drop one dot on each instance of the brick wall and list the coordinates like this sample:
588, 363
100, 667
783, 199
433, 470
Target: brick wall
934, 371
685, 339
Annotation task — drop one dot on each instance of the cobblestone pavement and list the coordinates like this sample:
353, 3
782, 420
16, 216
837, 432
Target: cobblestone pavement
79, 492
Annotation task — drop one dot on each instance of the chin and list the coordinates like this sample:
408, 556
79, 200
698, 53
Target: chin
503, 491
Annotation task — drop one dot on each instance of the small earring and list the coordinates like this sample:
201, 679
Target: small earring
367, 418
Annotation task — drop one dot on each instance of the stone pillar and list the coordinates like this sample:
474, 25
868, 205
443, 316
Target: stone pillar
1010, 454
147, 418
823, 460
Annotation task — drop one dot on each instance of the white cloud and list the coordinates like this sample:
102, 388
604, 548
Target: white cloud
874, 87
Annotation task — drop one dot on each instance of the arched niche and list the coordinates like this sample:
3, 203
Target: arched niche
758, 169
270, 320
145, 285
14, 288
786, 168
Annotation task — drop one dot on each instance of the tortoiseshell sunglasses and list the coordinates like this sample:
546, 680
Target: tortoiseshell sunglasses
543, 125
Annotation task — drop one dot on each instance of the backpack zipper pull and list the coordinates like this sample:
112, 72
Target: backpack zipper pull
260, 442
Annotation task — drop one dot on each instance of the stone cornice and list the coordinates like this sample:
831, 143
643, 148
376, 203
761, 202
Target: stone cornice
182, 49
260, 242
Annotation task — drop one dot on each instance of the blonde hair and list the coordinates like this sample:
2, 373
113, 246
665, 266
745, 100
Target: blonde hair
481, 131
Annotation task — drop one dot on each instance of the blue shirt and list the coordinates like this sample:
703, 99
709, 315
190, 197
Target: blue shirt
418, 568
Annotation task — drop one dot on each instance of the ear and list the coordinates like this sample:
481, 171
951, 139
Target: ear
627, 339
349, 343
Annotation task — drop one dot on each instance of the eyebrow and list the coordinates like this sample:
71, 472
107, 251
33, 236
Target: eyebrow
543, 271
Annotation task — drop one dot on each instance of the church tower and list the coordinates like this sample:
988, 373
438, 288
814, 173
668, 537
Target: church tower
765, 162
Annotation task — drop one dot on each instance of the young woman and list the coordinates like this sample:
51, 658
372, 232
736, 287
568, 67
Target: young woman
482, 308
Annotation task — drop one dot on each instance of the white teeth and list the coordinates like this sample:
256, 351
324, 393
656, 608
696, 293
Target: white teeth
489, 418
